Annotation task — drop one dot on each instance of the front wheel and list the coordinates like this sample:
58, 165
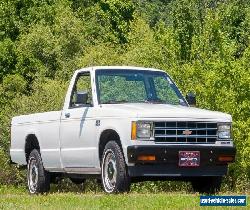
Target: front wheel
38, 177
114, 171
207, 185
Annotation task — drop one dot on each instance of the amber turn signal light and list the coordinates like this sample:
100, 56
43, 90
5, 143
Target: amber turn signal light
226, 158
133, 131
146, 157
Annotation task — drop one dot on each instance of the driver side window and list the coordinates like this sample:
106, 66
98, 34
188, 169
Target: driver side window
82, 93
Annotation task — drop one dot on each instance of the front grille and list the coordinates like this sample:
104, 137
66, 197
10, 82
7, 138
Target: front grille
185, 132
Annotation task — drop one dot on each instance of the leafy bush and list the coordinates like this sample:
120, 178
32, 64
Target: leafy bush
203, 45
9, 174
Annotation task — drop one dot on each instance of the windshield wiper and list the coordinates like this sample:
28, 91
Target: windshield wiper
115, 102
158, 101
152, 101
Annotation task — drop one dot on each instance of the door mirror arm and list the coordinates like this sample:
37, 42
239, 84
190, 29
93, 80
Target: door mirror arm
191, 99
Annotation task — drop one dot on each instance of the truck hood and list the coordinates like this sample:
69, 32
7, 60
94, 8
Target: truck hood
144, 110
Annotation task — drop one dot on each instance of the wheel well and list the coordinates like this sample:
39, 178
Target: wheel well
105, 137
30, 144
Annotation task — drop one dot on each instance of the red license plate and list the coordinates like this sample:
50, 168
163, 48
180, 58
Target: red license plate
189, 158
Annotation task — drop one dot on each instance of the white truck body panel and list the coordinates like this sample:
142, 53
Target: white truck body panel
46, 128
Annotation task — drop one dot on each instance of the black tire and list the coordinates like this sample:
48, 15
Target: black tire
207, 185
77, 180
37, 177
115, 178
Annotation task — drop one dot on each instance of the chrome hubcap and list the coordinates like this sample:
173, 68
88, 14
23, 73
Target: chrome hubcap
109, 171
32, 175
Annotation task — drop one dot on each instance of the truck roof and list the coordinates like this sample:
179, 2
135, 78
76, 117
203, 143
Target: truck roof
93, 68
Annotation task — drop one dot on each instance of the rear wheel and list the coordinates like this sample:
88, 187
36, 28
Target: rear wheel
207, 185
38, 177
114, 171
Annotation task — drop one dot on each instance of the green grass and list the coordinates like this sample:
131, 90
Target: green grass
18, 198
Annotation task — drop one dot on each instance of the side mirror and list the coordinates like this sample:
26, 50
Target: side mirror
191, 99
81, 98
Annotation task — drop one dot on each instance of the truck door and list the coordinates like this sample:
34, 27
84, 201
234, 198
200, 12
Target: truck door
77, 130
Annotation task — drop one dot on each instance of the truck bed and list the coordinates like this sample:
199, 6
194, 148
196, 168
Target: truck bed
24, 125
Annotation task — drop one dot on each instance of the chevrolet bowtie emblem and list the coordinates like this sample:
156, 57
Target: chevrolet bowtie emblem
187, 132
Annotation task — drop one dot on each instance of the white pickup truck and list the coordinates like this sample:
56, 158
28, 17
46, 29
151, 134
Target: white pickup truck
122, 124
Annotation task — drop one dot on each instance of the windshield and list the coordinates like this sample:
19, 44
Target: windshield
136, 86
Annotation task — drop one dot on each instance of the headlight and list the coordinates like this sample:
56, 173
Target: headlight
224, 131
142, 130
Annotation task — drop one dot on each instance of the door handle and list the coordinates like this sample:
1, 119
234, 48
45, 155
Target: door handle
67, 115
